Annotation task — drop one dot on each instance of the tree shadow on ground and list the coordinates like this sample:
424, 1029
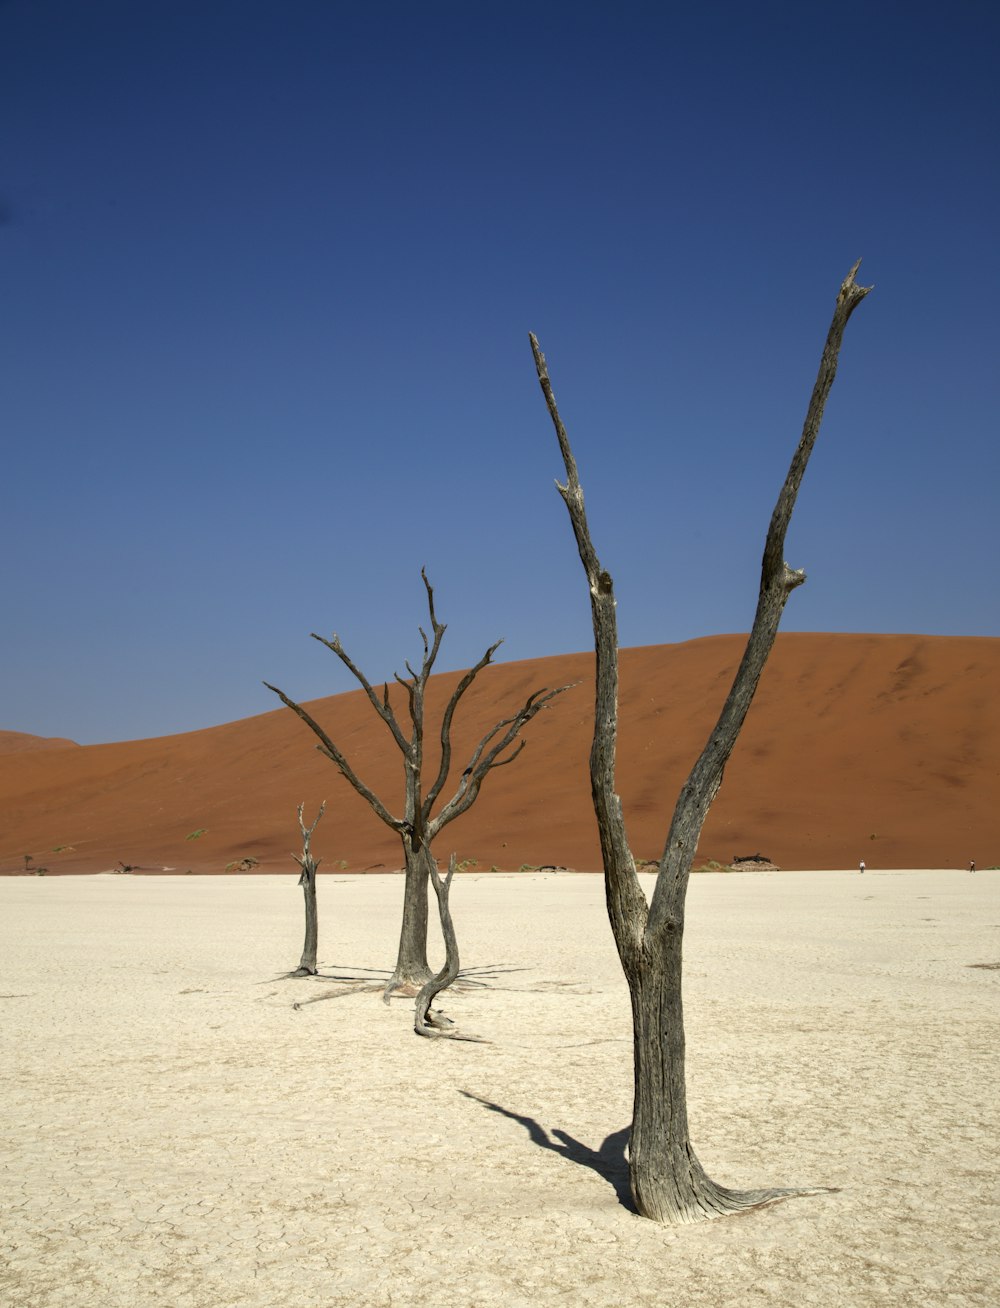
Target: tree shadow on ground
485, 976
349, 979
609, 1162
468, 978
336, 972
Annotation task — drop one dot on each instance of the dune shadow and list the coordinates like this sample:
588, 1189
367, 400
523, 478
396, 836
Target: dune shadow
609, 1161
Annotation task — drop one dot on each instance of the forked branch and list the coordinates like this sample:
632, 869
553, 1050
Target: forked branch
486, 756
625, 897
446, 721
381, 706
305, 860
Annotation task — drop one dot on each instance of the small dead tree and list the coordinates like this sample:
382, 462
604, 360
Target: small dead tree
419, 824
667, 1180
309, 866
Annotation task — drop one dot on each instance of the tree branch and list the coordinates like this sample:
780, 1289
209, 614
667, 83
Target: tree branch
305, 860
381, 707
626, 901
446, 721
777, 582
438, 628
484, 759
502, 762
416, 807
331, 751
408, 686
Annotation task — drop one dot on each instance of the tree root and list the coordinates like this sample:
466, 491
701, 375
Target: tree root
436, 1033
409, 987
711, 1200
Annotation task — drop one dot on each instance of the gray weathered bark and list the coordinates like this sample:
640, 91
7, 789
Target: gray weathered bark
668, 1183
412, 968
309, 865
425, 1022
419, 824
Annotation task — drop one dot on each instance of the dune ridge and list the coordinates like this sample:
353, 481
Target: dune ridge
882, 747
20, 742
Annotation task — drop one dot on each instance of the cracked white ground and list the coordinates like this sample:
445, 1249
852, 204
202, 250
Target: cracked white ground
176, 1132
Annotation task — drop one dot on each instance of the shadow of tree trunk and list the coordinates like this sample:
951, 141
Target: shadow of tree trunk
609, 1161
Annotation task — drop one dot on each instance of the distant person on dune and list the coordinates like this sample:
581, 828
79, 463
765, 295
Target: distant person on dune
861, 867
972, 865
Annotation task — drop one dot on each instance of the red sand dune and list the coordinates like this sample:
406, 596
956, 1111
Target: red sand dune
885, 748
18, 742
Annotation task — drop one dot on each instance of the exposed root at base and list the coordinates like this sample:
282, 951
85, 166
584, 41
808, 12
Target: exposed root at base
717, 1201
434, 1033
408, 989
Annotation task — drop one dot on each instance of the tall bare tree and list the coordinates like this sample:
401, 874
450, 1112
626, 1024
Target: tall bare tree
668, 1182
309, 866
419, 823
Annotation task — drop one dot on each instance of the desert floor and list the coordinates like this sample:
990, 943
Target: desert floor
185, 1126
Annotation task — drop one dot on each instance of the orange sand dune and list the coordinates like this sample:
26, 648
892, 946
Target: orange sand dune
885, 748
18, 742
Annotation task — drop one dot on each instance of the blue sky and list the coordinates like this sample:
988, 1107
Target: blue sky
267, 270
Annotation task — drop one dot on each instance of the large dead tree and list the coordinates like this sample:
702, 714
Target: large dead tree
667, 1180
419, 823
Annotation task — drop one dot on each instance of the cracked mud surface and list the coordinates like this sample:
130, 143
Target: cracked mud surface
176, 1132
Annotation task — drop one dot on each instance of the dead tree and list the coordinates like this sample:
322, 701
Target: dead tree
309, 865
419, 824
667, 1180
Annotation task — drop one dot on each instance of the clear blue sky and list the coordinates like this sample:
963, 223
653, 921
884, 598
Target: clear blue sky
267, 270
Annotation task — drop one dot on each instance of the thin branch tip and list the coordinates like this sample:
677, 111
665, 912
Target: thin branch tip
536, 350
852, 290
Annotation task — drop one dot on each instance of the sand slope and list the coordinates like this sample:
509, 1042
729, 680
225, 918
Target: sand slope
881, 747
19, 742
178, 1135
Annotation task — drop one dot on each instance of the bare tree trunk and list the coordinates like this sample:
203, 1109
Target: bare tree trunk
668, 1182
308, 864
412, 969
307, 964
